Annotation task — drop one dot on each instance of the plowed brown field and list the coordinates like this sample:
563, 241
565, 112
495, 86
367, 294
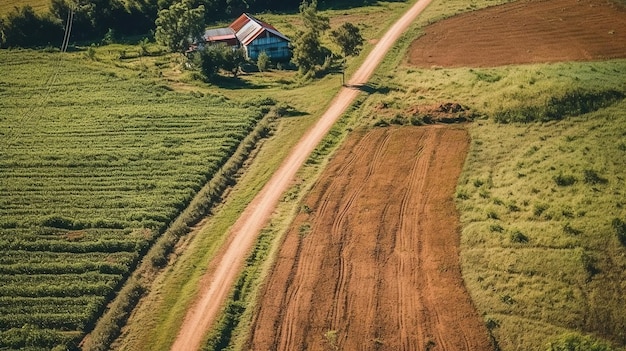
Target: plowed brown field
525, 31
371, 262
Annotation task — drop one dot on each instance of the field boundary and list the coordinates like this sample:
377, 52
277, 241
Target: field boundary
109, 325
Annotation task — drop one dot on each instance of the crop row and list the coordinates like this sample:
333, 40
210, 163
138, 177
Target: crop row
73, 247
51, 288
61, 321
93, 234
31, 338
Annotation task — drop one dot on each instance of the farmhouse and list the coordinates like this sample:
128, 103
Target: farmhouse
254, 35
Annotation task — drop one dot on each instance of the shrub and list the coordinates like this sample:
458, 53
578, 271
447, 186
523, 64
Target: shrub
576, 342
572, 103
568, 229
591, 177
496, 228
492, 214
564, 180
620, 230
462, 194
263, 61
519, 237
539, 209
513, 207
589, 264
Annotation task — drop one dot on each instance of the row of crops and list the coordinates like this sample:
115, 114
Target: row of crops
94, 165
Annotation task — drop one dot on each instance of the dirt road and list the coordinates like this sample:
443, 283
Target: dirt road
377, 267
222, 274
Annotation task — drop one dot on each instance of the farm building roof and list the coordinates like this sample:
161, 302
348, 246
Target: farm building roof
247, 28
219, 34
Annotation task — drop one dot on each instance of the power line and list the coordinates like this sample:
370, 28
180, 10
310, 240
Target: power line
48, 85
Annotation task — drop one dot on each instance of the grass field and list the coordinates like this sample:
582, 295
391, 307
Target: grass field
541, 255
94, 166
40, 6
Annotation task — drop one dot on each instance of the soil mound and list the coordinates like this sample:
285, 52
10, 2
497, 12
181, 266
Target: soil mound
525, 31
447, 112
371, 262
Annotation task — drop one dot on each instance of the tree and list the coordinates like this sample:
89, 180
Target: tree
23, 27
210, 61
232, 59
348, 37
307, 52
91, 18
179, 26
263, 61
216, 57
312, 20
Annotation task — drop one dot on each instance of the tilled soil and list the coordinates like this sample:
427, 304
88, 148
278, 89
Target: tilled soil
525, 31
372, 259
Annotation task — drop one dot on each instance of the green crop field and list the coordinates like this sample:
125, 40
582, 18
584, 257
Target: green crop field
94, 164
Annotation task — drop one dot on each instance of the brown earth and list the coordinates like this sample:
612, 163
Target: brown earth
525, 32
372, 260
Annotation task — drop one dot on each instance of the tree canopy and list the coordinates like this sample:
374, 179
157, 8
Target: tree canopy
348, 38
215, 57
179, 26
307, 50
313, 21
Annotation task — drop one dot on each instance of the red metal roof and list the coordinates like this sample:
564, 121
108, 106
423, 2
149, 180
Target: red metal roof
246, 29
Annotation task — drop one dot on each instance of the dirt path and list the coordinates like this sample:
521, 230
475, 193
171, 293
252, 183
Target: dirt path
379, 268
222, 273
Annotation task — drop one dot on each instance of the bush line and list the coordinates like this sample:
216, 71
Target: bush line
573, 103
